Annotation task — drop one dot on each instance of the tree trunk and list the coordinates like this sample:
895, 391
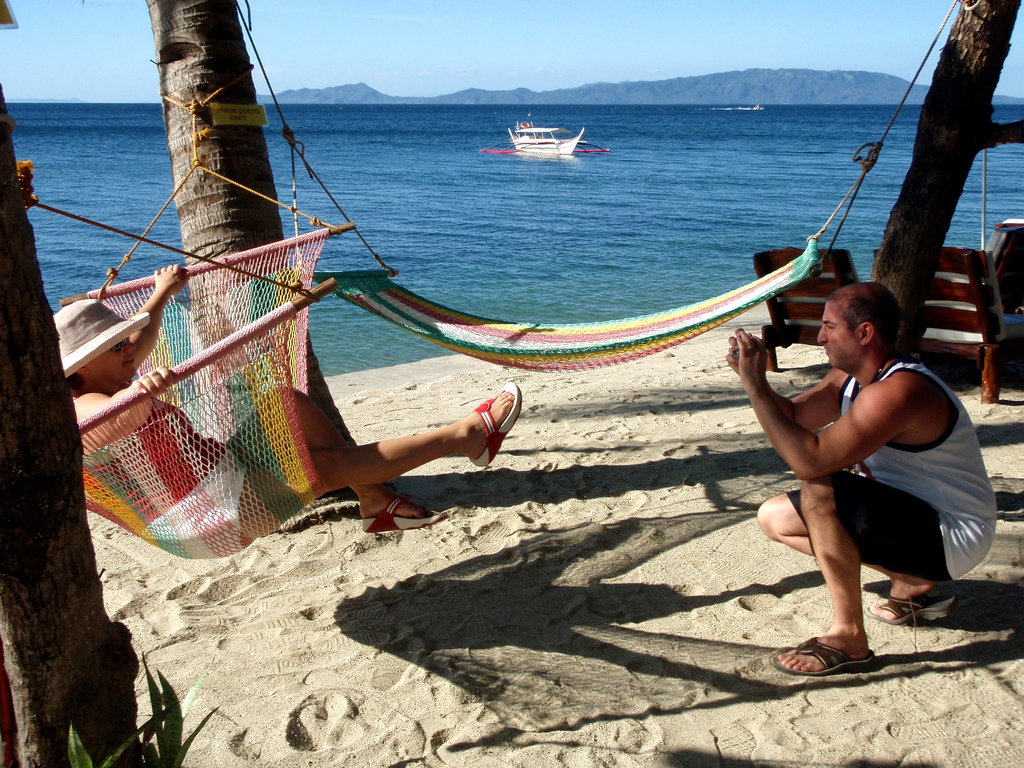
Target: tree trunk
65, 659
956, 124
200, 48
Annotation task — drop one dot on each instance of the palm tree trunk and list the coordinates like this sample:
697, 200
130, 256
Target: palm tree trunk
66, 661
955, 125
200, 48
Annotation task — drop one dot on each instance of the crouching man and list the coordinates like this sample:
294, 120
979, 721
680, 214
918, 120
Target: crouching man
892, 476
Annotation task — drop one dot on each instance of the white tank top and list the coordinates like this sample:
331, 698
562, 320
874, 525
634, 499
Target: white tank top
949, 474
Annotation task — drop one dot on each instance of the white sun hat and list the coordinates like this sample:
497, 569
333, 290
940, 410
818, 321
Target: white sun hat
89, 328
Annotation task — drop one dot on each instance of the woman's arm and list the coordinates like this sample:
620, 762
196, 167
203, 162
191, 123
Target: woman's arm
154, 382
169, 281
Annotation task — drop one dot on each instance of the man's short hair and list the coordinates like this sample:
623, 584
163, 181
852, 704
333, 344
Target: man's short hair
869, 303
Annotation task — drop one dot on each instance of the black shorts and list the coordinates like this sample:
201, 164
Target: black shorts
892, 529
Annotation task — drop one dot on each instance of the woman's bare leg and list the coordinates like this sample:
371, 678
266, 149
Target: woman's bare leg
364, 467
321, 434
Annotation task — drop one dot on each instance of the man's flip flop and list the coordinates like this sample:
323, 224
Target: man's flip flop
496, 433
387, 521
907, 611
834, 660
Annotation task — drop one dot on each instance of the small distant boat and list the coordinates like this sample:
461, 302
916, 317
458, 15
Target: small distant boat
534, 140
530, 139
757, 106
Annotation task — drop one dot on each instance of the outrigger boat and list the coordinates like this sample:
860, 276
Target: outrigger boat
529, 139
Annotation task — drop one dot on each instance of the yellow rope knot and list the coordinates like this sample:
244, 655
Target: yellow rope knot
868, 161
113, 272
25, 169
298, 289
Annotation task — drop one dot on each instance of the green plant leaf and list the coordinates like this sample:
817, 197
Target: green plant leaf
188, 742
190, 697
150, 755
173, 721
77, 755
155, 700
127, 743
79, 758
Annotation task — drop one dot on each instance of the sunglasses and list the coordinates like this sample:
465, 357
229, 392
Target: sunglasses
119, 346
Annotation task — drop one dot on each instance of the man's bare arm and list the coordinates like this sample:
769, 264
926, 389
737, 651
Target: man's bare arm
881, 413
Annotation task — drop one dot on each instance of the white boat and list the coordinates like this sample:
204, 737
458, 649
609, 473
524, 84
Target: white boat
533, 140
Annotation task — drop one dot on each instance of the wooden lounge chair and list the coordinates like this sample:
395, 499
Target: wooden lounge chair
964, 317
796, 313
1007, 248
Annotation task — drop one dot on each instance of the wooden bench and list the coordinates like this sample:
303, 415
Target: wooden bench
796, 312
964, 317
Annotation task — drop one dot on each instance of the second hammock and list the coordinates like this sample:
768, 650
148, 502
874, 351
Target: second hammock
560, 347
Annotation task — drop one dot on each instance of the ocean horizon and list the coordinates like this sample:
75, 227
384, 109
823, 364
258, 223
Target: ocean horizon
670, 216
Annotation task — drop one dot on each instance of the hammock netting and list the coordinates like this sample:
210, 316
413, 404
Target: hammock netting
220, 458
559, 347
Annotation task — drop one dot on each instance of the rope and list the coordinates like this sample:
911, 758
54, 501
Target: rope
298, 147
194, 108
114, 272
867, 162
25, 169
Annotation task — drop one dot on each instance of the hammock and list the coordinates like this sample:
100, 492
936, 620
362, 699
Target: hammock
220, 458
559, 347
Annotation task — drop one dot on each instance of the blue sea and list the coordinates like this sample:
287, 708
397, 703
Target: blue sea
671, 215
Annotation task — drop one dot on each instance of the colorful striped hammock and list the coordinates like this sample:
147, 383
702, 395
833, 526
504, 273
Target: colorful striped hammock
559, 347
220, 458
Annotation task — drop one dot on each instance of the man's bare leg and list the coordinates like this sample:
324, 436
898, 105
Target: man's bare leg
781, 522
839, 560
904, 587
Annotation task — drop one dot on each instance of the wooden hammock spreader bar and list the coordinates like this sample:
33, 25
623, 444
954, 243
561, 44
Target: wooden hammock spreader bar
208, 262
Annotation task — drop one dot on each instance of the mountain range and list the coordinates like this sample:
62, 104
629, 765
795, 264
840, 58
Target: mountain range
750, 86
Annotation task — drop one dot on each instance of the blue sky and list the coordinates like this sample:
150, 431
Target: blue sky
101, 51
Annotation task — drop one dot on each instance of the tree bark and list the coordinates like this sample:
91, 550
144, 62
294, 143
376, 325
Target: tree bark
200, 48
65, 659
955, 124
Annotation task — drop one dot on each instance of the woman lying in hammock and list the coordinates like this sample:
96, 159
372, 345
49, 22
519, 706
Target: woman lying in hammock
102, 351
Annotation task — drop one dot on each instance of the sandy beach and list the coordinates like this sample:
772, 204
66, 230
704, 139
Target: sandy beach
601, 596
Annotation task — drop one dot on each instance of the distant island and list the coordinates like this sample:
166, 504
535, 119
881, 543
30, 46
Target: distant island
44, 101
751, 86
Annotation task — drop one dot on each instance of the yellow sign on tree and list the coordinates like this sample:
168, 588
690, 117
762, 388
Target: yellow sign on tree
7, 20
237, 114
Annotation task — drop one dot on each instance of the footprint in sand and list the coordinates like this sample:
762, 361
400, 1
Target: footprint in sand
491, 538
734, 742
330, 719
756, 603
